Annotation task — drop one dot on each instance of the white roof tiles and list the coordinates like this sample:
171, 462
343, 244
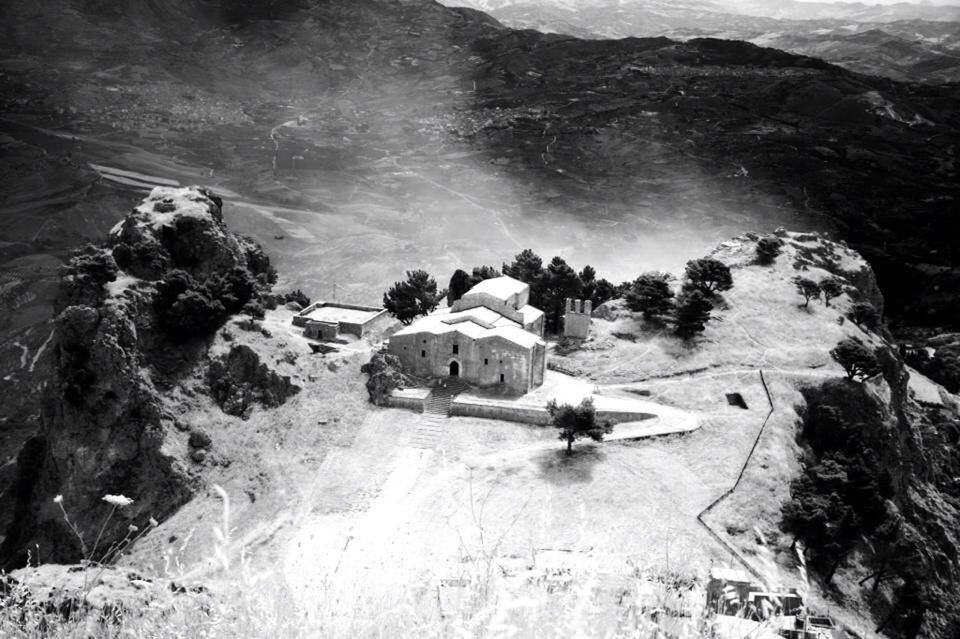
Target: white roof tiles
500, 287
530, 313
514, 334
481, 322
475, 323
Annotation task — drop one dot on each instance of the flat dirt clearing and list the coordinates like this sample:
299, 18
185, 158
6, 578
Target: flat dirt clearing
389, 523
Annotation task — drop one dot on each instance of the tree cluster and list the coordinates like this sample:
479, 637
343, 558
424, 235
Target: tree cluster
461, 281
551, 285
189, 308
652, 295
810, 290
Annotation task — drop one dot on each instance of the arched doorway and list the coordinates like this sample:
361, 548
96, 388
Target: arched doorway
454, 369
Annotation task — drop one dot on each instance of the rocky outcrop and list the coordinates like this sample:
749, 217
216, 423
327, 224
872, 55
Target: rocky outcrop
175, 228
106, 421
904, 457
238, 380
384, 375
104, 596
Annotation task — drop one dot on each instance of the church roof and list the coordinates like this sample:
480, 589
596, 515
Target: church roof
476, 323
530, 314
500, 287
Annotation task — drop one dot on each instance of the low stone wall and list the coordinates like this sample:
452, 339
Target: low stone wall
468, 406
619, 417
506, 411
409, 399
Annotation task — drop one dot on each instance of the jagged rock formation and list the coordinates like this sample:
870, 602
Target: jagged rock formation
108, 595
106, 421
384, 375
239, 379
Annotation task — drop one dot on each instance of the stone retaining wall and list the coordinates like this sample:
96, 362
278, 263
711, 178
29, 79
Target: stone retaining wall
529, 414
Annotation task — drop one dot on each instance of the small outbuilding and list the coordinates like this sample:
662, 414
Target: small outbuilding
328, 321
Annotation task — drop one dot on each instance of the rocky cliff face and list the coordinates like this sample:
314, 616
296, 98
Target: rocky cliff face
106, 423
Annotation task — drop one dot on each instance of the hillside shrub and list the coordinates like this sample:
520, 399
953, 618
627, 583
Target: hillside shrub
864, 315
768, 248
807, 288
858, 361
832, 287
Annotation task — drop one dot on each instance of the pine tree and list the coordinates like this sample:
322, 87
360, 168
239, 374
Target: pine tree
651, 295
693, 313
560, 281
709, 276
528, 268
460, 283
415, 296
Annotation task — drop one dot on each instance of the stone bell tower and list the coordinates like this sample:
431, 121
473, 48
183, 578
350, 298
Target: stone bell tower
576, 318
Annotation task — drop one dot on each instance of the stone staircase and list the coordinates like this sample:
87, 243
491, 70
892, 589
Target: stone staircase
436, 410
440, 398
428, 432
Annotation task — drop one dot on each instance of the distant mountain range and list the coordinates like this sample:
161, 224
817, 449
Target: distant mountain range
903, 41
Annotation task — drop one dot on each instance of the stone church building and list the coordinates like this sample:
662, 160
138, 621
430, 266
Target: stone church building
490, 337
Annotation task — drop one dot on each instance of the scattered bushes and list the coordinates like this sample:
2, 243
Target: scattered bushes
297, 296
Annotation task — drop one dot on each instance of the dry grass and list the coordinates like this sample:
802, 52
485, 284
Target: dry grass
535, 597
